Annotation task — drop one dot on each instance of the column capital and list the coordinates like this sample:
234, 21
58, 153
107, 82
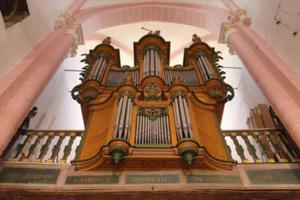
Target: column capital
227, 28
74, 29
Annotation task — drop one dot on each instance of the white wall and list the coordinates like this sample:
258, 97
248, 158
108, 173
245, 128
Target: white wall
20, 39
279, 37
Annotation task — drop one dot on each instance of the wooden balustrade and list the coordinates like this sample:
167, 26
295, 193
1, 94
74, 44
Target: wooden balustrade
245, 146
260, 146
44, 146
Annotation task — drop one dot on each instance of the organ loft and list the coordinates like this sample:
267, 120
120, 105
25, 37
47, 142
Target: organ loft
152, 116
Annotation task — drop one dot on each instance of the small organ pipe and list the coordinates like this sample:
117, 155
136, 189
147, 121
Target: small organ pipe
209, 67
160, 132
130, 115
94, 69
152, 62
127, 123
144, 132
103, 65
146, 63
157, 65
98, 67
183, 117
202, 68
137, 131
188, 117
163, 130
118, 117
168, 128
122, 120
149, 130
178, 121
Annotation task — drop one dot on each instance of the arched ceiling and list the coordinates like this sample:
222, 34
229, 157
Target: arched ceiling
200, 15
92, 3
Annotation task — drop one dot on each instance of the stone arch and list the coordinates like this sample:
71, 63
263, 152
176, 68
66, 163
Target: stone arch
199, 15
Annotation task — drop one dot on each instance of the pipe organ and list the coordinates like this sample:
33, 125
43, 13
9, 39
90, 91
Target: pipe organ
152, 114
123, 118
152, 66
204, 67
182, 118
99, 67
152, 126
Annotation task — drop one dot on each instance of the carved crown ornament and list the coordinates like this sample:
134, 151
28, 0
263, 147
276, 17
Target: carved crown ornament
73, 28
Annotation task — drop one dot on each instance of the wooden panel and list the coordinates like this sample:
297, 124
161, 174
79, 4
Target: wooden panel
99, 131
208, 132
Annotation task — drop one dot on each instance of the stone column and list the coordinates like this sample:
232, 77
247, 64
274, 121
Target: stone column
20, 87
278, 81
276, 92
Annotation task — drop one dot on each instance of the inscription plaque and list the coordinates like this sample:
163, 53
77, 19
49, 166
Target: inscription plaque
152, 178
28, 175
274, 176
105, 179
219, 179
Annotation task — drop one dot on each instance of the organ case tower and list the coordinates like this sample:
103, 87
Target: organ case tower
152, 116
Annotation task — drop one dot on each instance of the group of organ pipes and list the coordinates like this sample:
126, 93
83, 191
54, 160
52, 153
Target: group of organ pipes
152, 112
154, 116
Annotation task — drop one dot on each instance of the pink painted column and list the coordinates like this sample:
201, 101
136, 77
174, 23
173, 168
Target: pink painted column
17, 99
276, 92
20, 87
75, 6
279, 82
232, 7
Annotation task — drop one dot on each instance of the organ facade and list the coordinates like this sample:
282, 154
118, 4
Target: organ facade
152, 115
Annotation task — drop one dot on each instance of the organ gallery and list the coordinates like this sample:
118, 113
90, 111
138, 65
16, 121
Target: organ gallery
152, 116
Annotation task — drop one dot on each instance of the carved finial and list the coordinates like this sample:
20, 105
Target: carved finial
176, 80
129, 80
107, 40
196, 38
156, 32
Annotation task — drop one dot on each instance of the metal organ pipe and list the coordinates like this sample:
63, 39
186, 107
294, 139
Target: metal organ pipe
188, 117
118, 117
178, 121
152, 65
123, 118
99, 68
157, 63
203, 68
208, 66
182, 118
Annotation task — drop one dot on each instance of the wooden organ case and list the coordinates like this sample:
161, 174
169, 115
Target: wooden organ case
152, 116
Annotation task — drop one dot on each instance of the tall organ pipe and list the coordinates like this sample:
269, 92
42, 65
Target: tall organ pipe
99, 68
208, 66
152, 66
182, 118
203, 68
118, 117
188, 117
178, 121
123, 118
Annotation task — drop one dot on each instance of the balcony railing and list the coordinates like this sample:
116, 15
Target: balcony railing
260, 146
44, 146
245, 146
